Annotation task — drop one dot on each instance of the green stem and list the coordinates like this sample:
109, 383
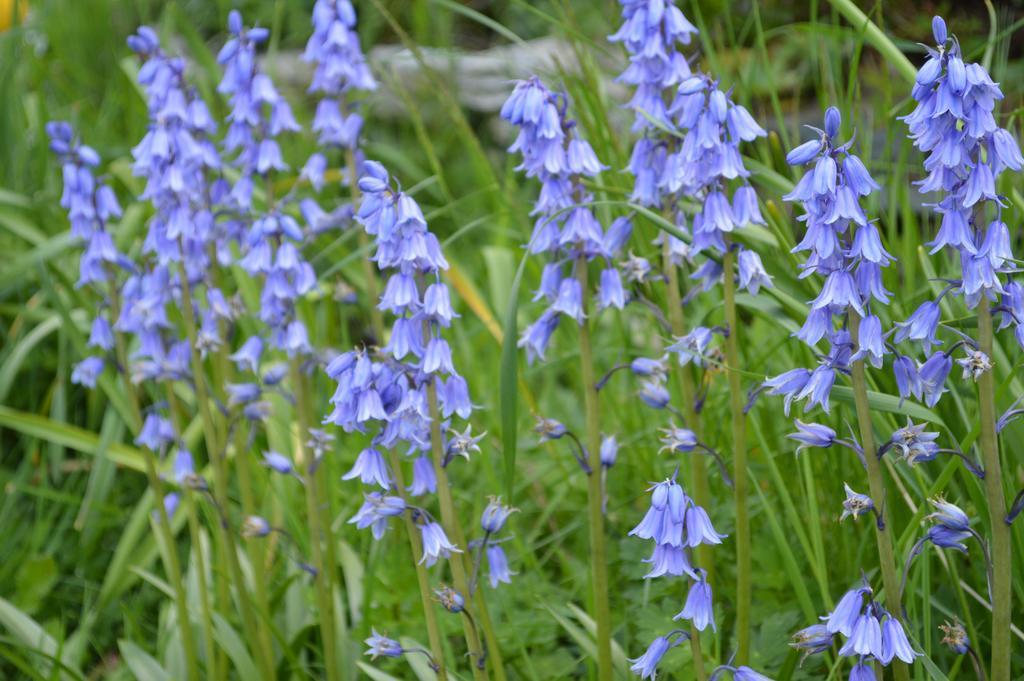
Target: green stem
215, 661
212, 658
317, 532
171, 563
422, 578
256, 557
1002, 566
217, 457
454, 531
701, 490
876, 485
877, 38
595, 491
739, 447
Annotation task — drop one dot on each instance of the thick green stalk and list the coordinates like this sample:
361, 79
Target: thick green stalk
422, 579
876, 486
220, 478
317, 532
454, 531
212, 658
877, 38
171, 563
369, 271
1002, 565
739, 448
256, 557
216, 666
701, 490
595, 491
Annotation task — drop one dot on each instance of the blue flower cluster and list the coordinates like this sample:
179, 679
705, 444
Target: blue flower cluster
872, 634
652, 33
844, 248
566, 228
676, 525
967, 150
393, 392
90, 205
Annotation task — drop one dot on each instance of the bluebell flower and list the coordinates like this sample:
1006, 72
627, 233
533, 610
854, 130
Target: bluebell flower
497, 566
895, 643
435, 543
101, 335
183, 465
665, 518
646, 666
667, 559
862, 671
933, 374
382, 646
789, 384
157, 432
908, 380
949, 515
813, 639
654, 394
370, 467
698, 527
278, 462
812, 435
609, 451
921, 325
692, 348
741, 673
87, 371
424, 478
975, 364
678, 440
843, 618
752, 275
698, 608
870, 344
255, 526
494, 516
855, 504
450, 599
375, 512
865, 637
549, 429
914, 443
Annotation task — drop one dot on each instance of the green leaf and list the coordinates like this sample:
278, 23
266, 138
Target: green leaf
508, 383
231, 642
890, 403
32, 635
68, 436
141, 663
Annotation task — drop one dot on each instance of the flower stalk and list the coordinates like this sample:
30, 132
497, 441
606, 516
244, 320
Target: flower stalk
595, 492
319, 531
422, 578
701, 489
739, 446
217, 458
452, 528
171, 563
1002, 594
876, 484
